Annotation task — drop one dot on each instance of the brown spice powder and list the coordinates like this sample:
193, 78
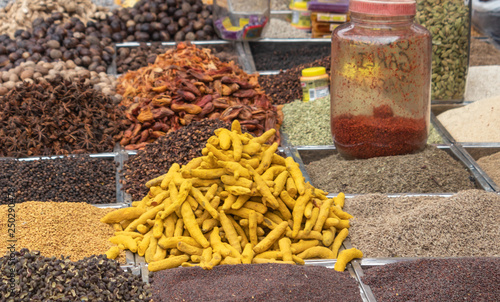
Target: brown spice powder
430, 171
491, 165
466, 224
58, 228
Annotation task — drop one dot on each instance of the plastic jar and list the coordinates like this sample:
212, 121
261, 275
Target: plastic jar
314, 82
380, 81
301, 17
241, 20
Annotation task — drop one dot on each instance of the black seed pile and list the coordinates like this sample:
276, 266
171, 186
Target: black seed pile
179, 146
459, 279
254, 282
286, 57
38, 278
72, 179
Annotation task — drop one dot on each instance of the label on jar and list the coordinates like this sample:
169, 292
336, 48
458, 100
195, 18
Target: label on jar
314, 89
324, 17
301, 19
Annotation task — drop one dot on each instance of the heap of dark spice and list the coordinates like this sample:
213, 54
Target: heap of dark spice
58, 118
254, 282
286, 57
38, 278
176, 147
78, 178
429, 171
285, 87
458, 279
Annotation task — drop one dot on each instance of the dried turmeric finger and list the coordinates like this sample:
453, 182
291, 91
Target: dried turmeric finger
303, 245
273, 172
240, 202
256, 206
323, 215
280, 183
171, 242
244, 213
311, 221
252, 228
252, 148
266, 243
113, 252
339, 200
229, 201
233, 252
303, 235
214, 203
130, 234
189, 249
167, 263
290, 187
218, 153
263, 189
328, 237
160, 254
192, 226
267, 157
237, 145
200, 198
192, 164
151, 250
287, 199
264, 137
270, 255
248, 254
341, 214
296, 175
123, 214
308, 210
150, 214
286, 248
224, 138
144, 244
337, 242
209, 224
231, 234
239, 230
343, 224
158, 199
235, 168
238, 190
298, 211
216, 243
278, 160
232, 181
265, 260
179, 227
235, 126
331, 222
346, 256
320, 252
230, 261
208, 173
143, 228
174, 168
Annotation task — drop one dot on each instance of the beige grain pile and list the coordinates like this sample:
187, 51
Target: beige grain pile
491, 165
476, 122
58, 228
466, 224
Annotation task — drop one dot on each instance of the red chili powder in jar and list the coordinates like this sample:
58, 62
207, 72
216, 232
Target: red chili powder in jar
380, 134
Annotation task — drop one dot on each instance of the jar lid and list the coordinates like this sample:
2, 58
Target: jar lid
300, 5
313, 71
384, 7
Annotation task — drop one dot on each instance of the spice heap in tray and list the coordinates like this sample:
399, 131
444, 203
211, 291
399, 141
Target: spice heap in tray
238, 203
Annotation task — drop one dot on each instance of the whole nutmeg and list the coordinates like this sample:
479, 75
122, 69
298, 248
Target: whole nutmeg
192, 16
26, 55
55, 54
186, 7
183, 21
26, 74
13, 78
179, 36
86, 60
70, 64
37, 75
190, 36
198, 25
130, 23
53, 44
10, 84
3, 90
100, 69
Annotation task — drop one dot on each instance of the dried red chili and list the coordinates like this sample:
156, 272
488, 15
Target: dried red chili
380, 134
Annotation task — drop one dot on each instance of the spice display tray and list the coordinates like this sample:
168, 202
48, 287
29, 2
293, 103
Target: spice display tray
474, 151
235, 48
119, 203
283, 46
306, 154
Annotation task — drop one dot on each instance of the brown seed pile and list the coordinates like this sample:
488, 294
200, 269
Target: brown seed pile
430, 171
129, 58
38, 278
58, 118
58, 228
491, 165
254, 282
466, 224
72, 179
285, 87
179, 146
424, 280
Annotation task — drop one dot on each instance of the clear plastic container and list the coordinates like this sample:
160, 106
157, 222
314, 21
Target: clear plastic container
241, 19
380, 81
